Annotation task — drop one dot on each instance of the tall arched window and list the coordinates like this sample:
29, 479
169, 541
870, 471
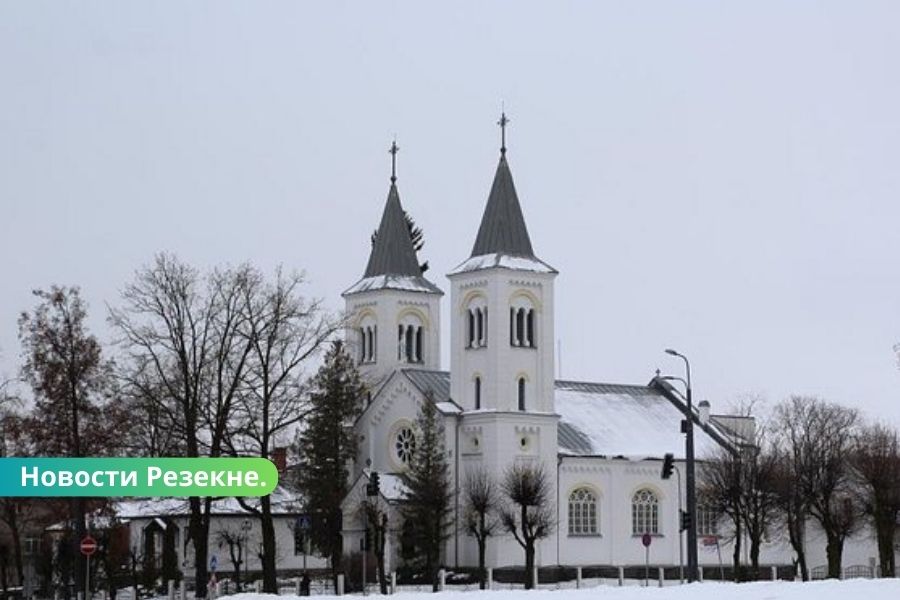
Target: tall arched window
476, 323
410, 340
644, 512
522, 323
368, 340
583, 512
521, 393
477, 393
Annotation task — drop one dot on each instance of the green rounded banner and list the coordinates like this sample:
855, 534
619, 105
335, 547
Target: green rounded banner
141, 477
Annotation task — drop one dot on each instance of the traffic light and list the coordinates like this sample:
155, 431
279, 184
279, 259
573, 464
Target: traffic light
373, 485
668, 465
685, 520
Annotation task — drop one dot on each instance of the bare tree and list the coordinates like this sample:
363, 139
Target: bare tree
720, 490
236, 542
818, 436
480, 495
377, 526
182, 333
283, 331
876, 463
528, 516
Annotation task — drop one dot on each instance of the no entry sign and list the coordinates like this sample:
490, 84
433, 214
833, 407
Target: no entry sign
88, 545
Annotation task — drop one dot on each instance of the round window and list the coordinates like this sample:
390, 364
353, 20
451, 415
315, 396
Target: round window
405, 444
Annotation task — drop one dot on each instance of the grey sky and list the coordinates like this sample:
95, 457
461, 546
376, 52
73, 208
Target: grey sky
719, 177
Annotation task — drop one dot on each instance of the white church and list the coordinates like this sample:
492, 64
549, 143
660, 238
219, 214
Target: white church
601, 443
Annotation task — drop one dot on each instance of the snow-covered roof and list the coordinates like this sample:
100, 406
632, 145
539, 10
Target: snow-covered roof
602, 419
503, 261
284, 501
628, 421
404, 283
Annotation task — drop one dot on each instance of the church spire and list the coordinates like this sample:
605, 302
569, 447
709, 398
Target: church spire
503, 229
393, 252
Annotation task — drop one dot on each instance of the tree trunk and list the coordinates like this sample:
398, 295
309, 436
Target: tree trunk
885, 531
530, 583
736, 557
13, 524
270, 576
795, 536
834, 548
199, 532
79, 563
482, 572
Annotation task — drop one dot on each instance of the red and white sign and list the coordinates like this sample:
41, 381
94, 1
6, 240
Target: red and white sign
88, 545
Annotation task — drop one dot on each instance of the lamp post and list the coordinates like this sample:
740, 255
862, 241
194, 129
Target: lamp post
690, 482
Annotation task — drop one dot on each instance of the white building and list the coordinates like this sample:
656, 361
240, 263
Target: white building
601, 443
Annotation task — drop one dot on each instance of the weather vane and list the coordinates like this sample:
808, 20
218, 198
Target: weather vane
394, 150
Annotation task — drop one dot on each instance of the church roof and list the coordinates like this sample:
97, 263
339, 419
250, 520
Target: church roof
604, 419
503, 239
393, 263
503, 229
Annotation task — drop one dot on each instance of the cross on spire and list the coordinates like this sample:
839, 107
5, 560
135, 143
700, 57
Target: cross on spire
502, 123
394, 149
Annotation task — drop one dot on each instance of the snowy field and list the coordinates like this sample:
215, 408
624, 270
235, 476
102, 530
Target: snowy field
863, 589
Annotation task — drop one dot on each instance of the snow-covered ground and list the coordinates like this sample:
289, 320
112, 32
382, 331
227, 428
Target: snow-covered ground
867, 589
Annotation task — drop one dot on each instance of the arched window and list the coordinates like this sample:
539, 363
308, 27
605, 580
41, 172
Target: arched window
521, 393
644, 512
522, 323
404, 445
410, 340
583, 512
477, 393
477, 322
368, 339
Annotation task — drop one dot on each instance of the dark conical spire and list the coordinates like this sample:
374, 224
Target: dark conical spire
393, 252
503, 229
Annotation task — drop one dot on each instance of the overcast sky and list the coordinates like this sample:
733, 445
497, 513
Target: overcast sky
719, 177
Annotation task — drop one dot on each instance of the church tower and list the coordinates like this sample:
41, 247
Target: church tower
501, 370
393, 311
502, 311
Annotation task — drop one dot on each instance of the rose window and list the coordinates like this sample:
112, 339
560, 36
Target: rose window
405, 445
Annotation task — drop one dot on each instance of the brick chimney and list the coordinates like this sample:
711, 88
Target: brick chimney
279, 457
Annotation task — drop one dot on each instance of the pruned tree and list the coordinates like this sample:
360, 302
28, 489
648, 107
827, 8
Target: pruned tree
876, 465
72, 385
182, 334
818, 437
326, 446
428, 495
377, 525
236, 542
528, 516
284, 331
481, 498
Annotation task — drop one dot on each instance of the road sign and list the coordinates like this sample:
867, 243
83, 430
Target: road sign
213, 563
304, 522
88, 545
646, 539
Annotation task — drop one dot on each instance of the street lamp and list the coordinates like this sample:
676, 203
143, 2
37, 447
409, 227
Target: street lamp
690, 482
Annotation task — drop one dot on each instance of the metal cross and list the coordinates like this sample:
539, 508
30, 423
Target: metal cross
502, 123
394, 150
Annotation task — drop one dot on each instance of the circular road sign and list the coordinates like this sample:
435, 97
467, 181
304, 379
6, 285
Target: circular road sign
88, 545
646, 539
